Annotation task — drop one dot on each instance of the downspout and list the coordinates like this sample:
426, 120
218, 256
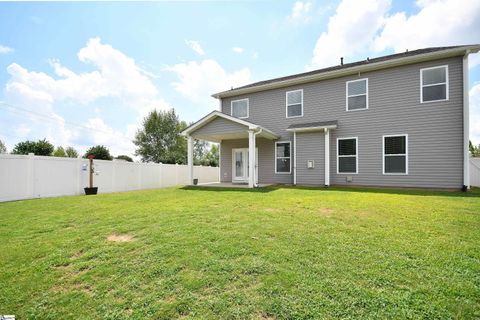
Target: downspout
466, 124
255, 157
294, 158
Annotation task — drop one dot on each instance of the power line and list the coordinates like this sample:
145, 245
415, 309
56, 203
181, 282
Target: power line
16, 109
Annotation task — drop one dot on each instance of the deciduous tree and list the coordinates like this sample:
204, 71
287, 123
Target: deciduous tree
100, 152
159, 138
39, 148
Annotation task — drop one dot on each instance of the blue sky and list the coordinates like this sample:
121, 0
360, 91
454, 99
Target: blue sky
86, 73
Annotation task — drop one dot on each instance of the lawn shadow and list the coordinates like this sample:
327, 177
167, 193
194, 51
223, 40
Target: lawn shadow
474, 192
237, 189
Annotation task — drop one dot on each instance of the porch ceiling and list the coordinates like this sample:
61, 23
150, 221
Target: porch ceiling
217, 137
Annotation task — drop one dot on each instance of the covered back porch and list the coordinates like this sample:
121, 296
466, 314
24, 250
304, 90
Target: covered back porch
217, 127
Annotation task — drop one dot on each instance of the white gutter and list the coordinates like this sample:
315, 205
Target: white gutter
466, 124
294, 158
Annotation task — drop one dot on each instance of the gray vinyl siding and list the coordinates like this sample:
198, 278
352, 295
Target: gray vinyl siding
310, 146
219, 126
435, 129
266, 161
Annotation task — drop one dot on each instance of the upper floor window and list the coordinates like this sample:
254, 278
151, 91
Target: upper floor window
395, 154
347, 155
282, 157
295, 103
434, 84
357, 94
240, 108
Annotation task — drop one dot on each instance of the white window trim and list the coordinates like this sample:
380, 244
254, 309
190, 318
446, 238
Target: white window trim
397, 154
349, 156
435, 84
248, 108
356, 95
286, 104
275, 157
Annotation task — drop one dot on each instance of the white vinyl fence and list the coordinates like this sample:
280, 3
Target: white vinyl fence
475, 172
29, 176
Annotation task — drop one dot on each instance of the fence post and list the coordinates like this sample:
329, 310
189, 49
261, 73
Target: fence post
160, 168
114, 174
176, 174
79, 172
31, 175
139, 175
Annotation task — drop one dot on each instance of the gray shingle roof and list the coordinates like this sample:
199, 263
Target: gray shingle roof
346, 66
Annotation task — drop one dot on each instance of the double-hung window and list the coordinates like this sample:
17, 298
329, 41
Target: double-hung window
357, 94
395, 154
347, 155
282, 157
240, 108
295, 103
434, 84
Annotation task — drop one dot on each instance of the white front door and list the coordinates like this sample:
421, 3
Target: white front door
240, 165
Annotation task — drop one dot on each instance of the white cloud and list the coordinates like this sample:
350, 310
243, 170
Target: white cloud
198, 80
255, 56
22, 130
350, 31
237, 50
369, 26
438, 23
6, 50
300, 12
116, 77
473, 60
117, 142
195, 46
475, 114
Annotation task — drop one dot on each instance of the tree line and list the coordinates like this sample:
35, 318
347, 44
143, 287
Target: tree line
158, 140
45, 148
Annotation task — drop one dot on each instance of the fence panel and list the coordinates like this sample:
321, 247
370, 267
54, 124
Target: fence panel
29, 176
475, 172
54, 177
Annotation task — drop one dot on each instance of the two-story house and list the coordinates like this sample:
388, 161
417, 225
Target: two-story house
400, 120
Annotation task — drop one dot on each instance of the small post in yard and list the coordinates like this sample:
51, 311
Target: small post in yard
90, 189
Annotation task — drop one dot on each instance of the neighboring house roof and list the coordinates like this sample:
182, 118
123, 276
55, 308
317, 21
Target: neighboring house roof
313, 126
215, 114
354, 67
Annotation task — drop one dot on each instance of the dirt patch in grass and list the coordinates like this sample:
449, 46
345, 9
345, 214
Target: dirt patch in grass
77, 254
262, 316
271, 210
326, 211
120, 238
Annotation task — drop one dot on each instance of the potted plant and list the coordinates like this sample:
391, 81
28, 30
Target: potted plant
90, 189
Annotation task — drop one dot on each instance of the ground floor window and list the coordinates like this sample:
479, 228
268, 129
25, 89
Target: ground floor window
282, 157
347, 155
395, 154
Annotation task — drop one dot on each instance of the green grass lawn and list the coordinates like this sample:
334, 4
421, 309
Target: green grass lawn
280, 253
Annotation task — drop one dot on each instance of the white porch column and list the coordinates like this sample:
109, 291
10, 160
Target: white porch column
294, 157
327, 157
190, 159
251, 159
